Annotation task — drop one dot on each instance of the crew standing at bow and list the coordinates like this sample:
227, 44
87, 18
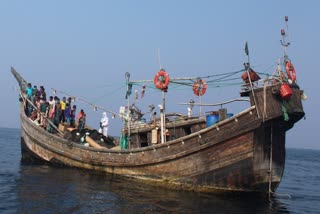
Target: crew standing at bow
104, 123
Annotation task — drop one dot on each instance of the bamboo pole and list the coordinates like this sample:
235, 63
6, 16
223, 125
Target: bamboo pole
216, 104
93, 143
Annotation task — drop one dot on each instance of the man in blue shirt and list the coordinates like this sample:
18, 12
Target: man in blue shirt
29, 92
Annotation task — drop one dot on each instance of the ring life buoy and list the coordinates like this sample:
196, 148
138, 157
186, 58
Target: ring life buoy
291, 71
199, 87
161, 80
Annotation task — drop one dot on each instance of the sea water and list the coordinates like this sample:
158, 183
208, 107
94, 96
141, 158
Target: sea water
31, 188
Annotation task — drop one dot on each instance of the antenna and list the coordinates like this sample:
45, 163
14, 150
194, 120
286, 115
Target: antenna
246, 49
285, 36
159, 58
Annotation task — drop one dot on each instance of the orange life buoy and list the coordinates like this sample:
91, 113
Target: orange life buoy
291, 71
161, 80
199, 87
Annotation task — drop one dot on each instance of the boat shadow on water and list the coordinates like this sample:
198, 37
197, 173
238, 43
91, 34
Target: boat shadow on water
43, 187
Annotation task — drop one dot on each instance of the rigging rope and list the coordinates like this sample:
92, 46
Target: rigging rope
90, 104
213, 81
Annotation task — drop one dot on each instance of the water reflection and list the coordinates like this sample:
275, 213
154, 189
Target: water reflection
47, 189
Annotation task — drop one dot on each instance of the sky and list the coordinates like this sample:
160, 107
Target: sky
84, 48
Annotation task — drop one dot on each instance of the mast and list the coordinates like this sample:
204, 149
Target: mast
247, 67
163, 127
162, 107
129, 88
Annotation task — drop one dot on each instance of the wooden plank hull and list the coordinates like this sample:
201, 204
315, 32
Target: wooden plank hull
223, 157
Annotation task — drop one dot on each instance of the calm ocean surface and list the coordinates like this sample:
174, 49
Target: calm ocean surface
26, 188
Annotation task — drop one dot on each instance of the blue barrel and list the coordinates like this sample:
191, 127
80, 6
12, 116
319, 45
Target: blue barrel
229, 115
212, 119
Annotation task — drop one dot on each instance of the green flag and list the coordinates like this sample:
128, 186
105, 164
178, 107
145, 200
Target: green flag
246, 49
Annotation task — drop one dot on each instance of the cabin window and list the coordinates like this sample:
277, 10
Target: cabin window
187, 130
143, 140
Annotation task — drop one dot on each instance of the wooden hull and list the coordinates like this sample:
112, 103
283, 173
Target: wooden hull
242, 153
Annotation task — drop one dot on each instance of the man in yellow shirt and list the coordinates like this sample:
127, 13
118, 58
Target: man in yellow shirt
63, 108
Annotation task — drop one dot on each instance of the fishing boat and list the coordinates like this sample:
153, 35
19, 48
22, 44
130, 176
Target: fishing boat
213, 151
